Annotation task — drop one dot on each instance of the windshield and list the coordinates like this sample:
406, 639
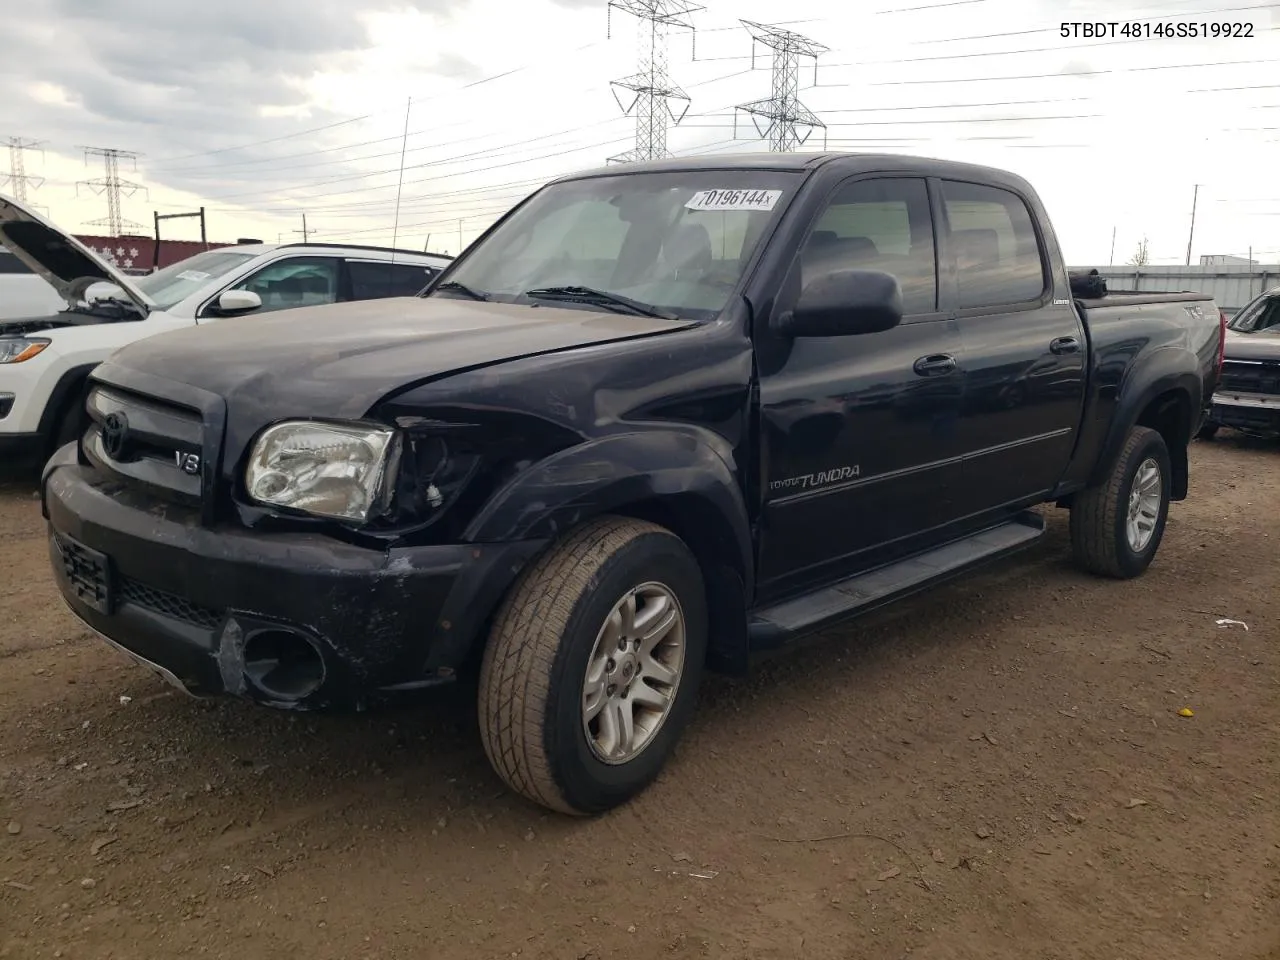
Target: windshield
176, 282
678, 241
1262, 313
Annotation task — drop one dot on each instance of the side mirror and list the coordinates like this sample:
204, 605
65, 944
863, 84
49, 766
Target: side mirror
103, 290
238, 301
845, 303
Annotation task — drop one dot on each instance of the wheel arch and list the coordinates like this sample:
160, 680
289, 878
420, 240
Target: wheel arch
69, 389
680, 481
1164, 394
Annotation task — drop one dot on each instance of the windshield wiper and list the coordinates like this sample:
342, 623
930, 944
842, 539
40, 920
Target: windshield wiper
463, 289
599, 298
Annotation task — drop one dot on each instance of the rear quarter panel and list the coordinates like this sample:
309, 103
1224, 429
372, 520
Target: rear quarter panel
1138, 352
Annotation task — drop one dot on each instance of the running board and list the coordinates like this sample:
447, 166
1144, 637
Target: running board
778, 624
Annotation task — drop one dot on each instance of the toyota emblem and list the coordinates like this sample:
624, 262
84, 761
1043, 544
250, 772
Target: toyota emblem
115, 434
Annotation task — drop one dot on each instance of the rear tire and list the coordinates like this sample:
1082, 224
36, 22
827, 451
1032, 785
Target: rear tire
569, 660
1116, 527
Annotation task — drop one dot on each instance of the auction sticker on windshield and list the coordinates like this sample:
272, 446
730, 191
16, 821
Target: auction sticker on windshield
733, 200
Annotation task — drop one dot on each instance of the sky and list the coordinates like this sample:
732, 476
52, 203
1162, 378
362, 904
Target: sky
265, 111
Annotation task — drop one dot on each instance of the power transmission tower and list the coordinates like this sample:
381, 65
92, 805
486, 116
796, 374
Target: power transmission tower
783, 111
651, 85
17, 177
113, 187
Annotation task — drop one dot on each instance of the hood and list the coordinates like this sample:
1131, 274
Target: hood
339, 360
1262, 345
64, 262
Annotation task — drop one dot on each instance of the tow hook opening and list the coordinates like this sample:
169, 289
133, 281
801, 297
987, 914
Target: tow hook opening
283, 664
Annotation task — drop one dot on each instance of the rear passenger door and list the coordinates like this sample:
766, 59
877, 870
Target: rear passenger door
1024, 350
375, 279
857, 432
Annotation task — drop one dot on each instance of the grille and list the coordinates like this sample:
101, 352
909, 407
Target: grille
1251, 377
168, 604
145, 441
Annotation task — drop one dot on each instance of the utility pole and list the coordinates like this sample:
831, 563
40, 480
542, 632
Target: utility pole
113, 187
1112, 261
1194, 197
651, 85
306, 234
17, 177
783, 110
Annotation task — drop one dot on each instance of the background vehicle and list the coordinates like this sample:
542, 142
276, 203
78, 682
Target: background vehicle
1248, 398
23, 293
44, 359
658, 418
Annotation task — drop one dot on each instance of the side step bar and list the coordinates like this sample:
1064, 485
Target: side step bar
776, 625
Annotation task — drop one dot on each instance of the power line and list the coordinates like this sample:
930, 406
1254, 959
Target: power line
17, 176
114, 187
1073, 73
651, 85
785, 114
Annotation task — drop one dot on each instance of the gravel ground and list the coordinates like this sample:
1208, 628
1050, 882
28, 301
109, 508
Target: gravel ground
997, 769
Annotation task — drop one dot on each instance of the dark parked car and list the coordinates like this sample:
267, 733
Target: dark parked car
659, 418
1248, 399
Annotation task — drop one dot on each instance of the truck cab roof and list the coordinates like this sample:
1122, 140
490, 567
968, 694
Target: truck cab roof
855, 162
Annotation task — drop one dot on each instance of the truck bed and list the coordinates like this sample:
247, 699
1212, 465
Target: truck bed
1137, 298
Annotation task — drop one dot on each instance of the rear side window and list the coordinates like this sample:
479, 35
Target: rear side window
993, 240
373, 280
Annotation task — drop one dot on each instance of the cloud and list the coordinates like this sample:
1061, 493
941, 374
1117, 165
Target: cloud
186, 76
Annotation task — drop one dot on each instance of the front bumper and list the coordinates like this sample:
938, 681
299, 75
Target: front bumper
288, 620
1249, 412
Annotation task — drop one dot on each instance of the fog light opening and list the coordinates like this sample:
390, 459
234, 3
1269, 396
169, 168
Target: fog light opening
282, 664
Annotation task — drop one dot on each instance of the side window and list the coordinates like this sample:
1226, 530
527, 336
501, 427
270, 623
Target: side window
884, 225
295, 282
994, 243
372, 280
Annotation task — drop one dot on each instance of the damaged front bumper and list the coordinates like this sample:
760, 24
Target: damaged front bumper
298, 621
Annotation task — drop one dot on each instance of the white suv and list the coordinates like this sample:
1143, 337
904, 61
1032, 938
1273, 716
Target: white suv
44, 360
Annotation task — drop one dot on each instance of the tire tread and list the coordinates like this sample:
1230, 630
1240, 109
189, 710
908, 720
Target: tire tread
517, 671
1095, 511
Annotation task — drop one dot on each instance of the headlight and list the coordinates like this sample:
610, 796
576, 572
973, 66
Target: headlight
17, 349
326, 469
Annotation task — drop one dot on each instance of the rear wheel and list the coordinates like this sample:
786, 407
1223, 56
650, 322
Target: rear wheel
593, 665
1117, 526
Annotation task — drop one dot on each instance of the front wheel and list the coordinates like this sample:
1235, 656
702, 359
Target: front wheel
592, 666
1207, 432
1117, 526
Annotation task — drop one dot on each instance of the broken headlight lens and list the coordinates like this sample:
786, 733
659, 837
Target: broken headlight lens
325, 469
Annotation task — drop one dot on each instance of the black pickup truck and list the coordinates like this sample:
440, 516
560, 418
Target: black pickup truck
659, 419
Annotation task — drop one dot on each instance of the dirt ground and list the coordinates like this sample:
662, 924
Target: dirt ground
997, 769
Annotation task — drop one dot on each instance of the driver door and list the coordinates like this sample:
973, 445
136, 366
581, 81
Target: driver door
858, 432
285, 284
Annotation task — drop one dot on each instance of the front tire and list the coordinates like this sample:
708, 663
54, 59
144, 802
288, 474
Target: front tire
593, 664
1207, 432
1117, 527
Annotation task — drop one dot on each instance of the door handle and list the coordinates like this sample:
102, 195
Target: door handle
934, 364
1064, 345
